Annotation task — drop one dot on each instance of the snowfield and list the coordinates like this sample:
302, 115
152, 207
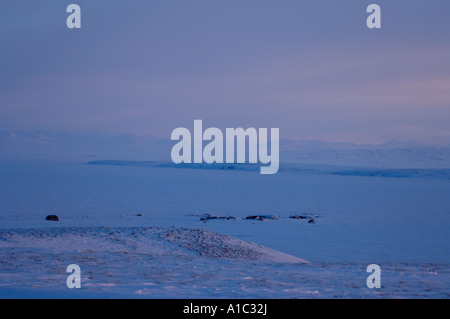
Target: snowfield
140, 231
155, 262
215, 245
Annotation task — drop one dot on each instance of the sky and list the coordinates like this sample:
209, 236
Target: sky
313, 69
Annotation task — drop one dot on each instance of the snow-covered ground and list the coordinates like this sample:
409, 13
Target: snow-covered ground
140, 232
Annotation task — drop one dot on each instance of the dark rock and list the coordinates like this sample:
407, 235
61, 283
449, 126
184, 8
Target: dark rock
311, 221
298, 217
208, 217
261, 217
52, 217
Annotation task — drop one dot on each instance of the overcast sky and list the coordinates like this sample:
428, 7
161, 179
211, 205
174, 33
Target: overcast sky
311, 68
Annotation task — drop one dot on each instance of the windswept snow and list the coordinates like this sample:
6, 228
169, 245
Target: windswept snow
156, 262
211, 244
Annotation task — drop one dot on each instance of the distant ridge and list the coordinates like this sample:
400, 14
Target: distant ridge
293, 168
66, 146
